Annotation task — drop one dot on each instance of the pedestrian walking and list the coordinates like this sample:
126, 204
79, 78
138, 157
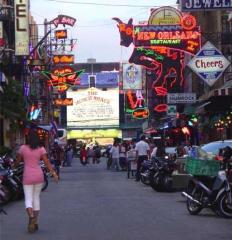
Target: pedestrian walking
83, 155
114, 151
69, 155
123, 148
57, 154
97, 153
33, 178
142, 153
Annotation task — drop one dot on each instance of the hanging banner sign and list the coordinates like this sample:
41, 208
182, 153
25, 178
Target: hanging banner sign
21, 27
61, 34
196, 5
63, 59
209, 63
174, 98
63, 102
172, 36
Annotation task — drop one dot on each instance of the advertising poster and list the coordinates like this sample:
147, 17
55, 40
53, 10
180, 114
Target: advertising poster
93, 108
132, 77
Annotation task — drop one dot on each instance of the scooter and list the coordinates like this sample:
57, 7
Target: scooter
210, 192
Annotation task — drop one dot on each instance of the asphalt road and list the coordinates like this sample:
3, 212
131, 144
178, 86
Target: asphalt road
93, 203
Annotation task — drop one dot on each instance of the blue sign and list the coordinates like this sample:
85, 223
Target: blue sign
196, 5
102, 80
209, 63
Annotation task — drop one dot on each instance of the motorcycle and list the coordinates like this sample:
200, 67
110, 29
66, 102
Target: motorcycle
161, 177
210, 192
46, 173
145, 172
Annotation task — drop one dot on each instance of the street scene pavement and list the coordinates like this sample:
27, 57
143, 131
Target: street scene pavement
91, 202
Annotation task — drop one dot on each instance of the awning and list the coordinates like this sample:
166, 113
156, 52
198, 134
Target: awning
225, 90
150, 131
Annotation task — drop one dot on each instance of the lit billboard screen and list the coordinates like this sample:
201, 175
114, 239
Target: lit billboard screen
93, 108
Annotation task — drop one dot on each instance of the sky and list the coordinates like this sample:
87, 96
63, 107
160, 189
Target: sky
96, 33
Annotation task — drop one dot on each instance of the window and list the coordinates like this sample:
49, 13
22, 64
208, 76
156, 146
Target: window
92, 81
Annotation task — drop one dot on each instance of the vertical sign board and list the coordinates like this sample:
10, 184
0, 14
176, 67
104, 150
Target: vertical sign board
21, 27
1, 30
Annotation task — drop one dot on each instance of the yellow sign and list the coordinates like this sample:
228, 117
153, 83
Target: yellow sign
91, 133
165, 16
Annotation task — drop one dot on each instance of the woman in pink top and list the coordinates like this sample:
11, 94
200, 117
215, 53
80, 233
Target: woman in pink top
33, 177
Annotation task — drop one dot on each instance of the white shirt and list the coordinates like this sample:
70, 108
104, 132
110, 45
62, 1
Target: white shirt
153, 154
142, 148
122, 152
115, 151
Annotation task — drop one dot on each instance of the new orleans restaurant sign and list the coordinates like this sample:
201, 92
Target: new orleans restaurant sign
196, 5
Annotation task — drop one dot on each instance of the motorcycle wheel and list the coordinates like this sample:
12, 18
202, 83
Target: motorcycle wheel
168, 183
45, 185
193, 207
144, 180
7, 195
155, 182
224, 206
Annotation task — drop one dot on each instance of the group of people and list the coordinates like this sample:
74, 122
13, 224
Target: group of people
61, 156
91, 153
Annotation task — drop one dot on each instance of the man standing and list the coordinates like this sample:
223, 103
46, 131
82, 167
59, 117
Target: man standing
142, 153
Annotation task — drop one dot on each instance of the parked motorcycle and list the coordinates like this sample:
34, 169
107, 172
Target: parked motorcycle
161, 176
210, 192
145, 172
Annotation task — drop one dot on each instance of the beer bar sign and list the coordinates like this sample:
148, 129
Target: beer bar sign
209, 63
196, 5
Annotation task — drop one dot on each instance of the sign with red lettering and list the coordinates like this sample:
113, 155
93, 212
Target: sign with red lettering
64, 20
209, 63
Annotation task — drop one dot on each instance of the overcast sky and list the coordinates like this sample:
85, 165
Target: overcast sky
97, 34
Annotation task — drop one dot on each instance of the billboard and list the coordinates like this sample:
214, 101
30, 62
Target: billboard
21, 27
132, 76
93, 108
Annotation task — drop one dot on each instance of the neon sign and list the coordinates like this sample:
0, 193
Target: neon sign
167, 36
63, 77
140, 113
63, 59
63, 102
61, 34
64, 19
161, 108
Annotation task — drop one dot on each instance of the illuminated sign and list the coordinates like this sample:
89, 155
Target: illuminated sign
93, 108
63, 102
140, 113
90, 133
34, 112
62, 78
209, 63
196, 5
161, 108
61, 34
168, 36
132, 76
134, 101
21, 27
165, 16
63, 59
64, 20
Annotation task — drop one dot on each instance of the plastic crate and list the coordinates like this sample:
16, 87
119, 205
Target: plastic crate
201, 167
